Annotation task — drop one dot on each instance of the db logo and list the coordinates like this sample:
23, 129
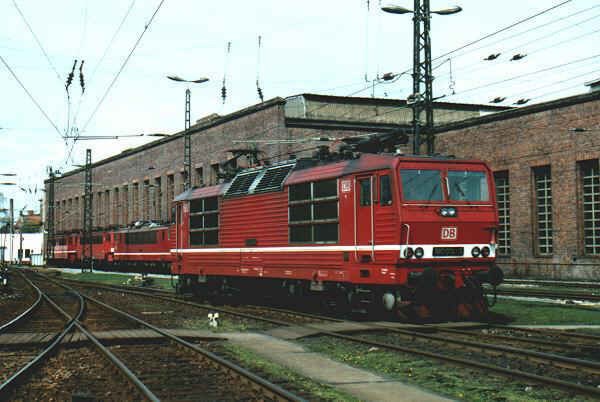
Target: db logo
449, 233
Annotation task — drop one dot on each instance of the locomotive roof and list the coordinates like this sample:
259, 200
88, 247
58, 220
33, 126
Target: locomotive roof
364, 163
203, 192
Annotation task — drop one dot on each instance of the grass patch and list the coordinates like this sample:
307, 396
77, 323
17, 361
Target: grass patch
288, 379
452, 381
539, 313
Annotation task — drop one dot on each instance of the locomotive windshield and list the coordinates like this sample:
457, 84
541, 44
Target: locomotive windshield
421, 185
467, 186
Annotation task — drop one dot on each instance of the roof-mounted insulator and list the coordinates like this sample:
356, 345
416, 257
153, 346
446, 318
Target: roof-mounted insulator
492, 56
521, 101
81, 80
70, 76
518, 56
498, 99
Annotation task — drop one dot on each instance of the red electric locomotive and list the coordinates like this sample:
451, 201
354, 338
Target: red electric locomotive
376, 232
143, 247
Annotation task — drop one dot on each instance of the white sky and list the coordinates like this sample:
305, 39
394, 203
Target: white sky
307, 46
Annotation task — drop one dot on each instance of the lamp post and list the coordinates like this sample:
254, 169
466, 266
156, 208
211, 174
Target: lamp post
421, 68
187, 143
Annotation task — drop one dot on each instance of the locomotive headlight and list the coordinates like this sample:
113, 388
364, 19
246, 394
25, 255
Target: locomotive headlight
447, 212
408, 252
475, 252
419, 252
485, 251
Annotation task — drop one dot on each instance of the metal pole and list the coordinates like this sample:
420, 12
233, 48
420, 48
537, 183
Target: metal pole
50, 218
12, 228
428, 99
422, 76
416, 106
187, 145
87, 255
20, 253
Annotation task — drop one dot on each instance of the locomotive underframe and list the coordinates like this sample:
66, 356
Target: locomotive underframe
428, 292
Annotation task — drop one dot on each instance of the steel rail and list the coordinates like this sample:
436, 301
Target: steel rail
545, 282
515, 339
104, 350
548, 295
456, 360
551, 358
24, 314
471, 363
552, 331
13, 381
174, 299
276, 390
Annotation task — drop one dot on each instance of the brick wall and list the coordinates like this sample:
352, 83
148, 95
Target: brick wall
518, 143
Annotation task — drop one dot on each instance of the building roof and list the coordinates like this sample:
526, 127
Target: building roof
396, 102
518, 112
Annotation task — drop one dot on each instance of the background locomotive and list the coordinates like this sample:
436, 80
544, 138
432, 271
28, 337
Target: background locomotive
142, 247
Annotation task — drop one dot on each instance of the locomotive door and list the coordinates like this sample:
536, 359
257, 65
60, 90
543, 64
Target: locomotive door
364, 227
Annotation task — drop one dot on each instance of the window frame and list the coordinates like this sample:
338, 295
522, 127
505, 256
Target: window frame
544, 174
202, 213
313, 223
581, 207
503, 236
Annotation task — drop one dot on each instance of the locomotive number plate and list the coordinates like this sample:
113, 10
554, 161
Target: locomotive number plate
449, 233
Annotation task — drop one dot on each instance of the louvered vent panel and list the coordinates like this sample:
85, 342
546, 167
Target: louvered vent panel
273, 179
241, 184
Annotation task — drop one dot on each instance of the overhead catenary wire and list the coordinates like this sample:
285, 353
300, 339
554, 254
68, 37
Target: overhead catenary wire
37, 40
104, 54
114, 80
535, 28
492, 34
30, 96
479, 65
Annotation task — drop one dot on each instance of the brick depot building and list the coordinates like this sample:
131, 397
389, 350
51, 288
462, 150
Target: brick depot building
140, 183
547, 180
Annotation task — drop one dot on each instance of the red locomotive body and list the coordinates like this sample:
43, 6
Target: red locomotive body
376, 232
144, 249
67, 249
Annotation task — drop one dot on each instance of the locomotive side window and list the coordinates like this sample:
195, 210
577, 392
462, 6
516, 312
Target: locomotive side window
365, 192
147, 237
421, 185
204, 221
468, 186
313, 212
385, 190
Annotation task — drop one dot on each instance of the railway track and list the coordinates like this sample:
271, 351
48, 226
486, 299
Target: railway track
543, 282
498, 355
545, 294
172, 369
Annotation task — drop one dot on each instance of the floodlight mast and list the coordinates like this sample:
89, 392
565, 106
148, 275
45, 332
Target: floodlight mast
422, 74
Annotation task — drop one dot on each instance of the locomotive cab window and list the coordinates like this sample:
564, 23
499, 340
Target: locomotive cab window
365, 192
204, 221
313, 212
421, 184
467, 186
